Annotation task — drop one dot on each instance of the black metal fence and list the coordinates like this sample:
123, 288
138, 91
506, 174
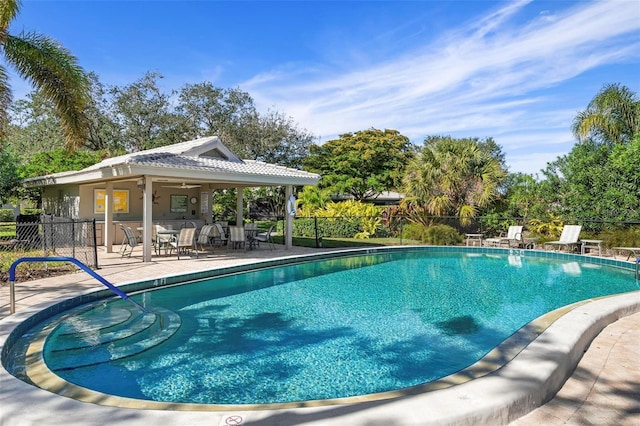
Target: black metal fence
452, 230
48, 235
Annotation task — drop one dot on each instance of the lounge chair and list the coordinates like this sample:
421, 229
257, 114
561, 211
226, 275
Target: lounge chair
513, 238
129, 242
185, 242
265, 237
569, 238
635, 251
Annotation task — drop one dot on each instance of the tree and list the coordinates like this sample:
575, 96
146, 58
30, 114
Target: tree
597, 181
9, 175
49, 67
231, 115
522, 196
58, 160
453, 177
35, 126
213, 111
144, 115
613, 116
104, 133
362, 164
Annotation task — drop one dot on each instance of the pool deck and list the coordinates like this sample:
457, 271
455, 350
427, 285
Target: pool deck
603, 389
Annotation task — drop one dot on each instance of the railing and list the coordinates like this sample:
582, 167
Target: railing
12, 278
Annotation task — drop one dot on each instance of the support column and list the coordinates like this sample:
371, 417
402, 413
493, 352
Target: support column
147, 218
108, 231
209, 204
288, 234
239, 207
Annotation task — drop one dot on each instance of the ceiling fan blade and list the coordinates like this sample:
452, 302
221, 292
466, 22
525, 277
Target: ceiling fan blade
183, 186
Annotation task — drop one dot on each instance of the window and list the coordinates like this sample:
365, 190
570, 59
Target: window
179, 203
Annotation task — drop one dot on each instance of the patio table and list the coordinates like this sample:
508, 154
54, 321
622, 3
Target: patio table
591, 244
474, 237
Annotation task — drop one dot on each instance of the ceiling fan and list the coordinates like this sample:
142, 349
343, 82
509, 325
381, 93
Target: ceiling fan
183, 186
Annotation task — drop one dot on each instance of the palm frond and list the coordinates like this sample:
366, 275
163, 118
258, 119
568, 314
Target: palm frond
8, 10
5, 101
54, 70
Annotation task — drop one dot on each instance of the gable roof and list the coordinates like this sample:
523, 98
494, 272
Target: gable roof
203, 160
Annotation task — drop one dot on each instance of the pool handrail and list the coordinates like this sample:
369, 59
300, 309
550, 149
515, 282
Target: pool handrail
79, 264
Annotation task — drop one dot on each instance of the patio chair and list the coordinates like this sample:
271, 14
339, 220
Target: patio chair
569, 238
161, 239
185, 242
237, 237
218, 236
250, 232
265, 237
204, 237
129, 242
513, 238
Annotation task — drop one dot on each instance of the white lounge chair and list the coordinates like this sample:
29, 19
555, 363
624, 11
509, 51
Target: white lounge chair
632, 251
513, 238
569, 238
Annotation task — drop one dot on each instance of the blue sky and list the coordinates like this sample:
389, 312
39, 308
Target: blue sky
517, 71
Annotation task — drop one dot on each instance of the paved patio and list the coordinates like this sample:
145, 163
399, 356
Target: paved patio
604, 388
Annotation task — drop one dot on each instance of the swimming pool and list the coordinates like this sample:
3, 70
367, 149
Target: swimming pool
333, 328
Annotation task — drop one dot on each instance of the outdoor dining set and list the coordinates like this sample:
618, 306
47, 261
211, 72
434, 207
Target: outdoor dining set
189, 239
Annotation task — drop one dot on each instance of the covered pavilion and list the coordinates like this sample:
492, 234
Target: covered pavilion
174, 184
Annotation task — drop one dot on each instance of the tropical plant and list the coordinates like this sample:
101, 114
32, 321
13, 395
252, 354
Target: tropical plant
453, 177
366, 216
613, 116
49, 67
312, 199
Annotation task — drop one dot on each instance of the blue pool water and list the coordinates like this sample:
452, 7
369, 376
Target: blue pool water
333, 328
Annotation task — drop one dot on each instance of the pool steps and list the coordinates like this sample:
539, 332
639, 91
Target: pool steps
121, 336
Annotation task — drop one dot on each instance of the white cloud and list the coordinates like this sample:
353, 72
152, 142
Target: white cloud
485, 78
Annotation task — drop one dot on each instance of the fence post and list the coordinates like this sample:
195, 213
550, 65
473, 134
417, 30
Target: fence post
73, 237
315, 225
95, 243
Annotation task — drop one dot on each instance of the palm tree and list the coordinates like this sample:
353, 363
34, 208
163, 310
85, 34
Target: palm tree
613, 116
50, 68
452, 177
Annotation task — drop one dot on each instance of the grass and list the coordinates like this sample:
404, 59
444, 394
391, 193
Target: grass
30, 270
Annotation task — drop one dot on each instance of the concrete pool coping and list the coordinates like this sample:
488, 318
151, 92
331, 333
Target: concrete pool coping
530, 379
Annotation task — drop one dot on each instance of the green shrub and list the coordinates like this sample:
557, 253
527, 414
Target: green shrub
439, 235
6, 215
327, 227
620, 238
413, 231
442, 235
